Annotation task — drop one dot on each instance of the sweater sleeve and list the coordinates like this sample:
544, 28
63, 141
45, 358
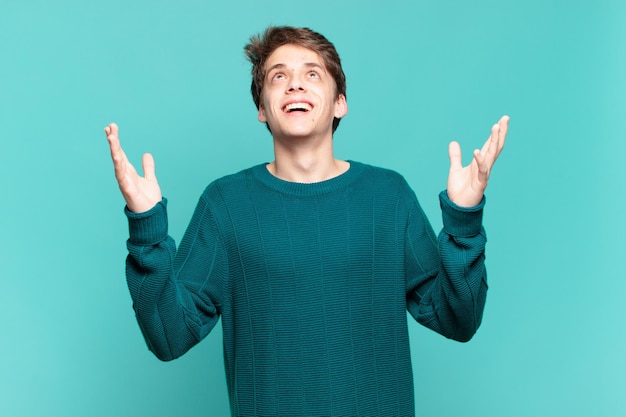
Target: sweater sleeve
176, 295
446, 278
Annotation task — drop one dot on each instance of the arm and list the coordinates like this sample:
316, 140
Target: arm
177, 295
446, 277
447, 287
174, 293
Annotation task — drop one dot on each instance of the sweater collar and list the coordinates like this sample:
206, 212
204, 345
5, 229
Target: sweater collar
329, 186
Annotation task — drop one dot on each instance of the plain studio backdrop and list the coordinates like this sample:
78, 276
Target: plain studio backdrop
420, 73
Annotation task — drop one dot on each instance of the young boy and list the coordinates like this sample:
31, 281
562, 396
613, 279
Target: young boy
310, 261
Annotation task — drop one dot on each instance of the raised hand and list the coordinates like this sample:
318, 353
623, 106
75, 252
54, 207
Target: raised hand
466, 185
140, 193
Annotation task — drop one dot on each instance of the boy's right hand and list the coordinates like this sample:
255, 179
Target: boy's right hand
140, 193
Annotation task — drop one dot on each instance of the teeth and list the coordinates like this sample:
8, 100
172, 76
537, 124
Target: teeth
297, 106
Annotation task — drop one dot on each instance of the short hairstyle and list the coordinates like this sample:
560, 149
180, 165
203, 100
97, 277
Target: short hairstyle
261, 46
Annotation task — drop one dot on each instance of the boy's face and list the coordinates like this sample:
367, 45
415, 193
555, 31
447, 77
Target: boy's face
299, 96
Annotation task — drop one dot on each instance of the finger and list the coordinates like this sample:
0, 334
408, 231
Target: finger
498, 137
504, 121
148, 167
504, 129
492, 139
123, 168
491, 149
111, 129
117, 153
120, 161
112, 133
454, 151
481, 164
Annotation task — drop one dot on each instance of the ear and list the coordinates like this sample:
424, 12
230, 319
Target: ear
261, 115
341, 106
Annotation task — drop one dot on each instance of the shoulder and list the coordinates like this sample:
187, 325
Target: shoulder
386, 187
232, 188
379, 177
231, 182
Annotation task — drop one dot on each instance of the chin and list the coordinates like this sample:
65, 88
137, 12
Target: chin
296, 132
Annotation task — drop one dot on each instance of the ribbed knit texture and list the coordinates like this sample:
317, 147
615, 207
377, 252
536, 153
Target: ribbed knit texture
312, 282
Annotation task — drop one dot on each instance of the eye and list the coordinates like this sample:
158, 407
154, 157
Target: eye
313, 74
278, 76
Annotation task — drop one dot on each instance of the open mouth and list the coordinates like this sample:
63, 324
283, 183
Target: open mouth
297, 107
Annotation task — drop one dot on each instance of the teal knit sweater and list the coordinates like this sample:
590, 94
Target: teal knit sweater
312, 282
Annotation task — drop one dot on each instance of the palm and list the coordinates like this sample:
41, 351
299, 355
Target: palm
466, 185
140, 193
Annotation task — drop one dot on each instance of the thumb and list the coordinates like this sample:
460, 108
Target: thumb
148, 167
454, 151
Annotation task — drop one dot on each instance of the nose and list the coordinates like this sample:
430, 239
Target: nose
295, 85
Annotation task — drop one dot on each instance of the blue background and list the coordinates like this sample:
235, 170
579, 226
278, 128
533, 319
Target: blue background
420, 73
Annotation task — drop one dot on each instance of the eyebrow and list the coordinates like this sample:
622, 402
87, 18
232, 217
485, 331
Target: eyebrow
306, 64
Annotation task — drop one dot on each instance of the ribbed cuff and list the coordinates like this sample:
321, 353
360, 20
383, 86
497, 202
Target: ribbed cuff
149, 227
461, 221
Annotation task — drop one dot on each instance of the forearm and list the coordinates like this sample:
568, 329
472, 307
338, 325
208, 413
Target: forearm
165, 308
461, 289
450, 299
155, 297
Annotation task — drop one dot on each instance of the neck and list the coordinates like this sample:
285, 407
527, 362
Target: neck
305, 161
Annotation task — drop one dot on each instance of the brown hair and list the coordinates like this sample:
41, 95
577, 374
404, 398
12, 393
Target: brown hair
262, 45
